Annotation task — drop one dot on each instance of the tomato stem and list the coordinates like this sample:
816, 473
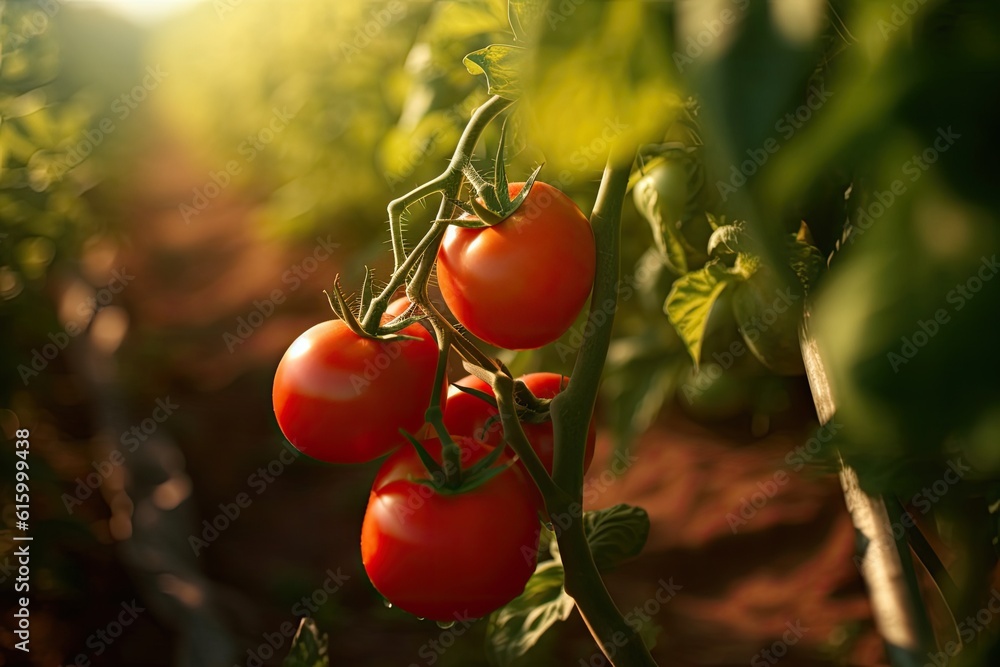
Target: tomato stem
448, 183
571, 412
513, 433
451, 458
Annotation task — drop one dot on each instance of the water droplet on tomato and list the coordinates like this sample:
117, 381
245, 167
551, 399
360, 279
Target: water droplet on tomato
388, 605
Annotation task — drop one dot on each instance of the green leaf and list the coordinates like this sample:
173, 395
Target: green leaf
524, 16
691, 299
501, 63
728, 240
616, 534
518, 626
309, 647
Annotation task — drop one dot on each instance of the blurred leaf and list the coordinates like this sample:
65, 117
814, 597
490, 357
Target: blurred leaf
599, 82
309, 647
690, 302
807, 263
641, 375
525, 17
518, 626
616, 534
501, 64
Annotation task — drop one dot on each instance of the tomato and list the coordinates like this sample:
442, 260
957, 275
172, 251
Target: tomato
397, 307
521, 283
467, 415
342, 398
442, 556
662, 197
769, 321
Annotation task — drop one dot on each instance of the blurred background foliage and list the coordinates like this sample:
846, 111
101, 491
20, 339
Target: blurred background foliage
116, 140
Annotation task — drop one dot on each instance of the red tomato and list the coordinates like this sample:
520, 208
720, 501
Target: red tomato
342, 398
447, 557
397, 307
520, 284
467, 416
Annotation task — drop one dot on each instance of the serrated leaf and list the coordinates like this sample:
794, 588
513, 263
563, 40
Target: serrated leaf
310, 648
501, 63
690, 302
518, 626
616, 534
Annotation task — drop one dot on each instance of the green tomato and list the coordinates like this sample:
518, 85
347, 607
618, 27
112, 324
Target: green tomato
769, 314
662, 197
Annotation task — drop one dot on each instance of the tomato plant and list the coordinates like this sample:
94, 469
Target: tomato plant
519, 284
342, 398
448, 556
469, 415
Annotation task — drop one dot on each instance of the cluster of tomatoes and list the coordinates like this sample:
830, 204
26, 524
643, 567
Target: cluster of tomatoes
435, 551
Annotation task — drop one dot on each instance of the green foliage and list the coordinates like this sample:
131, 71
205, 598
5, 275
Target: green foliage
501, 64
518, 626
691, 299
309, 647
615, 535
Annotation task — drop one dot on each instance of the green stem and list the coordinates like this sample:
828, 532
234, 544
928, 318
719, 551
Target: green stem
572, 409
619, 641
571, 413
451, 458
448, 183
513, 433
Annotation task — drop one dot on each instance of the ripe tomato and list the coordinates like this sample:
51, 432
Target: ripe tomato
342, 398
520, 284
442, 556
397, 307
467, 416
